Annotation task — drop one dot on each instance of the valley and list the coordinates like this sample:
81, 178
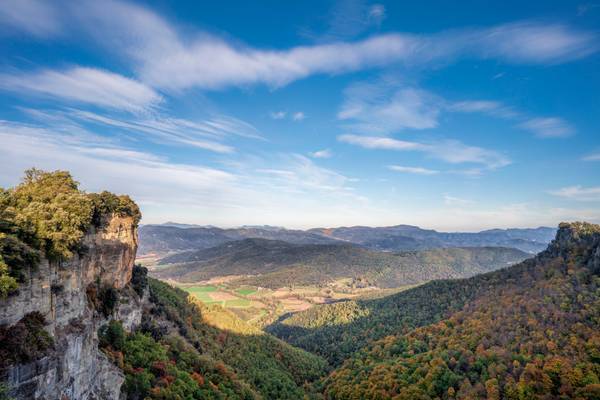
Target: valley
258, 318
262, 279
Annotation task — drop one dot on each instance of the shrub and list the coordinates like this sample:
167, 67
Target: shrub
139, 279
8, 284
112, 335
25, 341
106, 204
103, 299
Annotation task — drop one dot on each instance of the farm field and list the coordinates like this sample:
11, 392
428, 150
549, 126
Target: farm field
260, 306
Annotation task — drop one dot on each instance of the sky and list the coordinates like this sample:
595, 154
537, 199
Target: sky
456, 116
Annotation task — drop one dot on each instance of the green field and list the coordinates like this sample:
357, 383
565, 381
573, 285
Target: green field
245, 291
237, 303
202, 293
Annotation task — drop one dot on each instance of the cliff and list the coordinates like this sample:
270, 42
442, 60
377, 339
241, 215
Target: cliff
65, 293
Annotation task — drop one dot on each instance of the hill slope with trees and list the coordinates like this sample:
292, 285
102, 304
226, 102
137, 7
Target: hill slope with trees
530, 331
278, 264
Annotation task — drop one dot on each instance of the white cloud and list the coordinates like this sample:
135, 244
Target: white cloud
490, 107
36, 17
278, 114
382, 143
545, 127
86, 85
325, 153
293, 190
548, 127
592, 157
451, 151
205, 134
456, 201
413, 170
162, 56
579, 193
376, 13
298, 116
373, 108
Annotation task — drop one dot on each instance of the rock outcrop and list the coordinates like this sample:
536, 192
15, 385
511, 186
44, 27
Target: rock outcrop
75, 369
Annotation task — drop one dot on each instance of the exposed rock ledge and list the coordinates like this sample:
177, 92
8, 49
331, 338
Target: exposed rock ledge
76, 369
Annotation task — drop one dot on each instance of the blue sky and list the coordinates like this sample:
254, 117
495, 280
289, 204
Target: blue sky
303, 114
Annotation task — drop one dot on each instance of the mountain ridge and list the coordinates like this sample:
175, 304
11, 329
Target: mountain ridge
165, 239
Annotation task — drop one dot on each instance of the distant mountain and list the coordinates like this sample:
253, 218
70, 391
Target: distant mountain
172, 237
407, 237
168, 238
275, 263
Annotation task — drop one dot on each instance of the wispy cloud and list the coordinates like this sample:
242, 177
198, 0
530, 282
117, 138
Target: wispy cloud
85, 85
35, 17
298, 116
278, 114
376, 13
348, 19
292, 185
325, 153
489, 107
548, 127
579, 193
379, 108
592, 157
413, 170
205, 134
456, 201
451, 151
164, 57
381, 143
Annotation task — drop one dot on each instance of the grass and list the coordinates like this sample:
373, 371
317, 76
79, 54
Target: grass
237, 303
245, 291
202, 293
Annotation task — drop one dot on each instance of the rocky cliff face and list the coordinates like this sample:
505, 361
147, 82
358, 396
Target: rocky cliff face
75, 369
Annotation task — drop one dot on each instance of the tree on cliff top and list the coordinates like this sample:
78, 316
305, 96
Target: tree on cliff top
48, 214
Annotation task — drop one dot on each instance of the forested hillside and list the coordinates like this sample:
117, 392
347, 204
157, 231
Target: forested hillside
185, 349
526, 332
278, 264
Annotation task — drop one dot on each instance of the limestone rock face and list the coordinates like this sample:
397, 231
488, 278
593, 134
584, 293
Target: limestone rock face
76, 369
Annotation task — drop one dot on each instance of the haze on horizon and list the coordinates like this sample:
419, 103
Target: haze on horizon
316, 114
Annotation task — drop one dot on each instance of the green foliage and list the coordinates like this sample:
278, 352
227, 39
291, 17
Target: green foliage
4, 392
47, 214
528, 332
25, 341
51, 212
106, 204
113, 335
8, 284
273, 368
139, 279
168, 369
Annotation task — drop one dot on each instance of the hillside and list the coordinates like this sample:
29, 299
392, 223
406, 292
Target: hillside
79, 321
407, 237
278, 264
177, 237
530, 331
172, 237
184, 349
